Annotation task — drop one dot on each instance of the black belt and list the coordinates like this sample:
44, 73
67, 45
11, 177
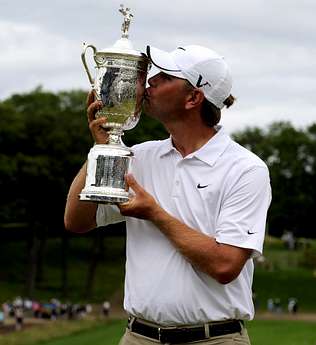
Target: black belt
177, 335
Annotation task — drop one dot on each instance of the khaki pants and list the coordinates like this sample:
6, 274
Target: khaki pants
130, 338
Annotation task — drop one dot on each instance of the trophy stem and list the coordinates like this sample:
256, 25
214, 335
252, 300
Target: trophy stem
115, 137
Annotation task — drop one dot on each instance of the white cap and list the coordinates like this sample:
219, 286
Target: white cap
202, 67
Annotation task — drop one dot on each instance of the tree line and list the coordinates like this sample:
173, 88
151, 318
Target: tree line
290, 154
44, 140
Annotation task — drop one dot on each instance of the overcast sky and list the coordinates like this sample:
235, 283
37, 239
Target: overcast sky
270, 46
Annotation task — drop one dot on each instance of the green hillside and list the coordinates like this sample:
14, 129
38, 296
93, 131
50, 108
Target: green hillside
267, 332
284, 273
287, 273
109, 274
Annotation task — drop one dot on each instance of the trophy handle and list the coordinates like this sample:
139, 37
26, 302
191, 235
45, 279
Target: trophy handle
83, 58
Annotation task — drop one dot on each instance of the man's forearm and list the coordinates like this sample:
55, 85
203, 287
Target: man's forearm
220, 261
79, 215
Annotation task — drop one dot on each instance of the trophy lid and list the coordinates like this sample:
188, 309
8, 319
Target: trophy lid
123, 46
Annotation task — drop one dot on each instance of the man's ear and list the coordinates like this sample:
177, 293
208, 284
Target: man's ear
194, 99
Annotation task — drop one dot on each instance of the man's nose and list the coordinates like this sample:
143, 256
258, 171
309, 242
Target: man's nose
151, 81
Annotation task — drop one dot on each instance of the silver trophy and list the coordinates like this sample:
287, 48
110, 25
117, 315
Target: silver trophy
119, 83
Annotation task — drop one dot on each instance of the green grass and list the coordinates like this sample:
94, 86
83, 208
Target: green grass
300, 284
68, 332
261, 332
99, 335
271, 332
286, 274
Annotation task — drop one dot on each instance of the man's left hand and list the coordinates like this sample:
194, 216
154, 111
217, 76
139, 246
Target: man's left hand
141, 204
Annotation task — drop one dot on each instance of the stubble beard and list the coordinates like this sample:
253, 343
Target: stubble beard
147, 109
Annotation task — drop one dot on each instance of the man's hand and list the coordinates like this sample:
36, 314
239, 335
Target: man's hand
141, 205
99, 134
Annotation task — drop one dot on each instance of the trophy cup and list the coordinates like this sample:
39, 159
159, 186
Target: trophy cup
119, 83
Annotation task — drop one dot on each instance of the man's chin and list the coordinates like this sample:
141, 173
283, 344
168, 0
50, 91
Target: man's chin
146, 110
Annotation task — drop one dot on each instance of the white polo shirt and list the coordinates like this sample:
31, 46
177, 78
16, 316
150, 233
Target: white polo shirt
221, 190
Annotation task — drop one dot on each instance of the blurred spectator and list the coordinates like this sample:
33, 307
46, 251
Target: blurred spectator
270, 305
289, 240
80, 311
89, 308
55, 308
63, 309
27, 304
292, 305
6, 309
18, 314
70, 311
18, 302
1, 317
106, 306
277, 305
36, 307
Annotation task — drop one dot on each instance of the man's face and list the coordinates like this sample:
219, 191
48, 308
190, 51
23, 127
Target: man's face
165, 97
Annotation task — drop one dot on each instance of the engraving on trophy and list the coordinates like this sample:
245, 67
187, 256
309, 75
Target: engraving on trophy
110, 171
117, 90
99, 171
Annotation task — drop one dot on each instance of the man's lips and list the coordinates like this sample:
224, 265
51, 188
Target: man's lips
146, 97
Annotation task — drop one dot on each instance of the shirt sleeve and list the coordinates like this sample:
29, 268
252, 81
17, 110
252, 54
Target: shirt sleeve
242, 218
108, 214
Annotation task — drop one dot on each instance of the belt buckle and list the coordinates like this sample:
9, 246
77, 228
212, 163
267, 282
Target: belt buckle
163, 337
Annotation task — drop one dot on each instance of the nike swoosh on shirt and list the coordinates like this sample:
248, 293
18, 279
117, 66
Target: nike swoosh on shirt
204, 186
250, 232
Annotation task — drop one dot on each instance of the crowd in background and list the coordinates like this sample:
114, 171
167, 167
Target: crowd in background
21, 308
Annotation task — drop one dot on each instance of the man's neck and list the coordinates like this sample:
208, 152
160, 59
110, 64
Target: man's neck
189, 139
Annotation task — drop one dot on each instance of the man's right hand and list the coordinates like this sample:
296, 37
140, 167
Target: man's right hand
99, 134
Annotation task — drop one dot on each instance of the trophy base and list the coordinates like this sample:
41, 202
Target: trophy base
106, 170
102, 198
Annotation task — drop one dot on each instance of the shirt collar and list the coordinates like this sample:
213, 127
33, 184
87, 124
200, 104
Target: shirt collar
166, 147
213, 149
209, 152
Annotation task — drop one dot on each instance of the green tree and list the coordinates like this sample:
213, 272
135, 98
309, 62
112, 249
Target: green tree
44, 140
289, 154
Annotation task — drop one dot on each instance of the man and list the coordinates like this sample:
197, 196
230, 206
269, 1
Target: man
197, 214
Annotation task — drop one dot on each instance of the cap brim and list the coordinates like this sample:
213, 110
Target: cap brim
164, 62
